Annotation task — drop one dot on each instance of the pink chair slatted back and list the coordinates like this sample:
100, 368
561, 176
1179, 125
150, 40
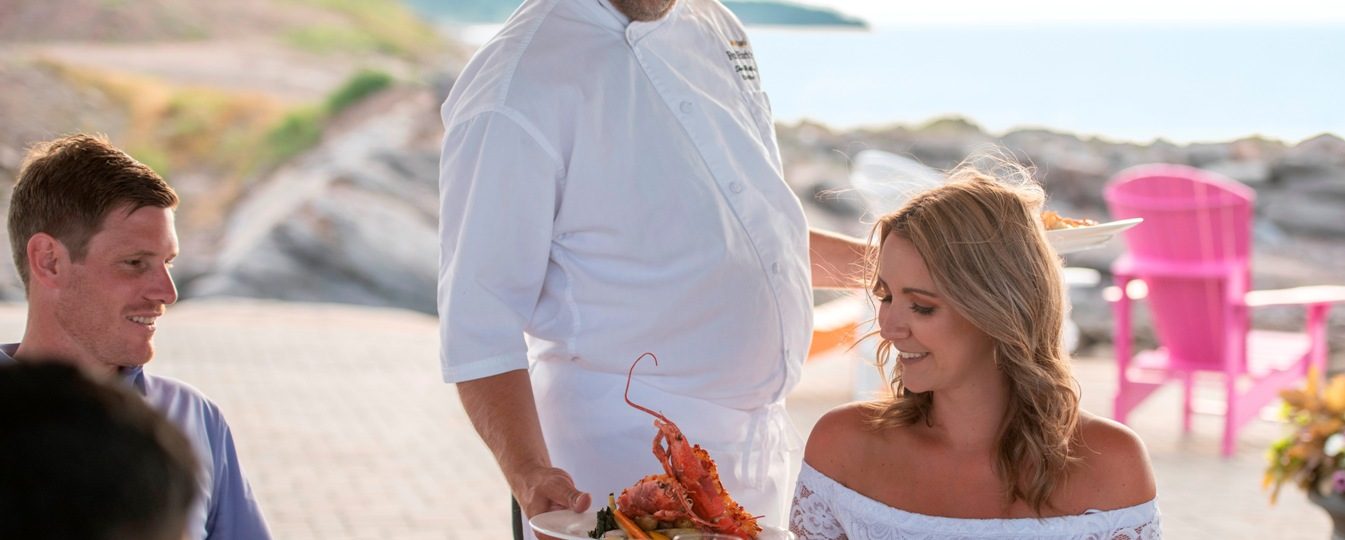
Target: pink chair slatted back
1193, 251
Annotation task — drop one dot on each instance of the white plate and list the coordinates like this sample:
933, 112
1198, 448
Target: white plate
568, 525
1081, 238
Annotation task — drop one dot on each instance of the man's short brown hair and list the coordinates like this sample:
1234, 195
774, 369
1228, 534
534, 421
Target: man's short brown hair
68, 185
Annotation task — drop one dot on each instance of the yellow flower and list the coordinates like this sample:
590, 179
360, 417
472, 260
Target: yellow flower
1335, 395
1321, 428
1311, 387
1295, 398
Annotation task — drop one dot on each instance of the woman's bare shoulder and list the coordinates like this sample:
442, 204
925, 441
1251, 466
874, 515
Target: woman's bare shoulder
1113, 464
839, 439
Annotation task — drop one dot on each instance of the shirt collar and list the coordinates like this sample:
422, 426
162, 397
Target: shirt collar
639, 29
603, 13
610, 9
608, 14
132, 376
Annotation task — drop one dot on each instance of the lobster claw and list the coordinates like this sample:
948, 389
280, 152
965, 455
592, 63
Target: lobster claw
693, 480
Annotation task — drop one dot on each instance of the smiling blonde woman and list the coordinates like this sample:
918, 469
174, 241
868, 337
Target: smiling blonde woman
984, 437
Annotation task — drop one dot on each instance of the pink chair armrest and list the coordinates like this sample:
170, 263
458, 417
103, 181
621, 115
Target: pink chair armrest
1317, 294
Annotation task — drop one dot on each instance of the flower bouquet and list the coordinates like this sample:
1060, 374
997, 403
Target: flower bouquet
1312, 455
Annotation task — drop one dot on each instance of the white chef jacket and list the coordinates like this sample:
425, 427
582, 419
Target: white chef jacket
609, 188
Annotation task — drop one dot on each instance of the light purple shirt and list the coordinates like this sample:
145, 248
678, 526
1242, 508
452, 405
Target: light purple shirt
225, 508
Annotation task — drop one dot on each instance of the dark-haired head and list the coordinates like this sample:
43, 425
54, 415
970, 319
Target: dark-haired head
80, 459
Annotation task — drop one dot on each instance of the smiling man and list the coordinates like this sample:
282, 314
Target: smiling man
93, 239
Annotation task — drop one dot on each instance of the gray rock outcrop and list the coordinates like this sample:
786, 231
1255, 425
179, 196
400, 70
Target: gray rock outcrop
354, 220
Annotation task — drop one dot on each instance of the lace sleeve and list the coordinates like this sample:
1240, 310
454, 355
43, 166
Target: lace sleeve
810, 517
1145, 531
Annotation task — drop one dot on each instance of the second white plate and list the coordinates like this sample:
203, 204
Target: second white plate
1081, 238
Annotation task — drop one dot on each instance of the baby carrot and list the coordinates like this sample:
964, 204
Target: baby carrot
632, 530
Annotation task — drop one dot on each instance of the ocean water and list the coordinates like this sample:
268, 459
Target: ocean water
1183, 83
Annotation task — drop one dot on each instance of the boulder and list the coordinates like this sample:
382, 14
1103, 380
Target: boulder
348, 246
1316, 208
354, 220
1325, 148
1255, 173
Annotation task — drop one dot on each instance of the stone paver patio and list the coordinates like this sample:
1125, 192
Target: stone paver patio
347, 431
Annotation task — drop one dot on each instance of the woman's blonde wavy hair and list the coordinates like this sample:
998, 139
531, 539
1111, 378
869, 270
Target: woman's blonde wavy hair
982, 239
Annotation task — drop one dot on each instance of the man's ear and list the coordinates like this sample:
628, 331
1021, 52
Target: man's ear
48, 260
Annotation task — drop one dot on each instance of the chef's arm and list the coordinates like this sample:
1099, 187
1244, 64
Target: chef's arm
837, 260
504, 413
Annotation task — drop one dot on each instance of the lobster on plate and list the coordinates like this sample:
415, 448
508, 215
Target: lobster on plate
1054, 221
689, 490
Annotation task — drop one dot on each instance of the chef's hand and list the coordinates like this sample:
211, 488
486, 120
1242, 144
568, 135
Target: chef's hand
544, 489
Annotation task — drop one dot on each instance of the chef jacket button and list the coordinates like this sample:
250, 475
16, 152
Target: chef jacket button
775, 267
686, 107
736, 187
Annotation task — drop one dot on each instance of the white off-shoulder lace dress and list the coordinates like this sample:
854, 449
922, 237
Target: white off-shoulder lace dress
826, 510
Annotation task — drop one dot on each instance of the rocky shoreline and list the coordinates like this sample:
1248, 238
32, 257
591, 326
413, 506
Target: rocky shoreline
373, 181
353, 220
1299, 233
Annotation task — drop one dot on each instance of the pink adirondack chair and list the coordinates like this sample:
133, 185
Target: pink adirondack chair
1193, 254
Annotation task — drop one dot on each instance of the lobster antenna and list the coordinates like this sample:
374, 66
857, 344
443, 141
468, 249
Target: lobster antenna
630, 375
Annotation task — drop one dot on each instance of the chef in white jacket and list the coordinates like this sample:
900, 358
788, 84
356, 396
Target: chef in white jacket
610, 184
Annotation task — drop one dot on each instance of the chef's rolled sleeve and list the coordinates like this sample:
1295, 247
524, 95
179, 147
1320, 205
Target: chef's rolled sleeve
498, 191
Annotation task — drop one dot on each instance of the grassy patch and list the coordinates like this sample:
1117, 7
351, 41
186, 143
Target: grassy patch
333, 39
387, 26
299, 130
234, 134
223, 130
154, 157
181, 128
361, 85
143, 99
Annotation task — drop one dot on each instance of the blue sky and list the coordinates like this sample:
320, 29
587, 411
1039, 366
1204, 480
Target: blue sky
900, 12
1228, 69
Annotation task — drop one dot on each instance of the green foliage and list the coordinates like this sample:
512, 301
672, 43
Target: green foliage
606, 522
217, 129
302, 128
333, 39
386, 26
1312, 455
152, 156
192, 114
238, 134
297, 131
361, 85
